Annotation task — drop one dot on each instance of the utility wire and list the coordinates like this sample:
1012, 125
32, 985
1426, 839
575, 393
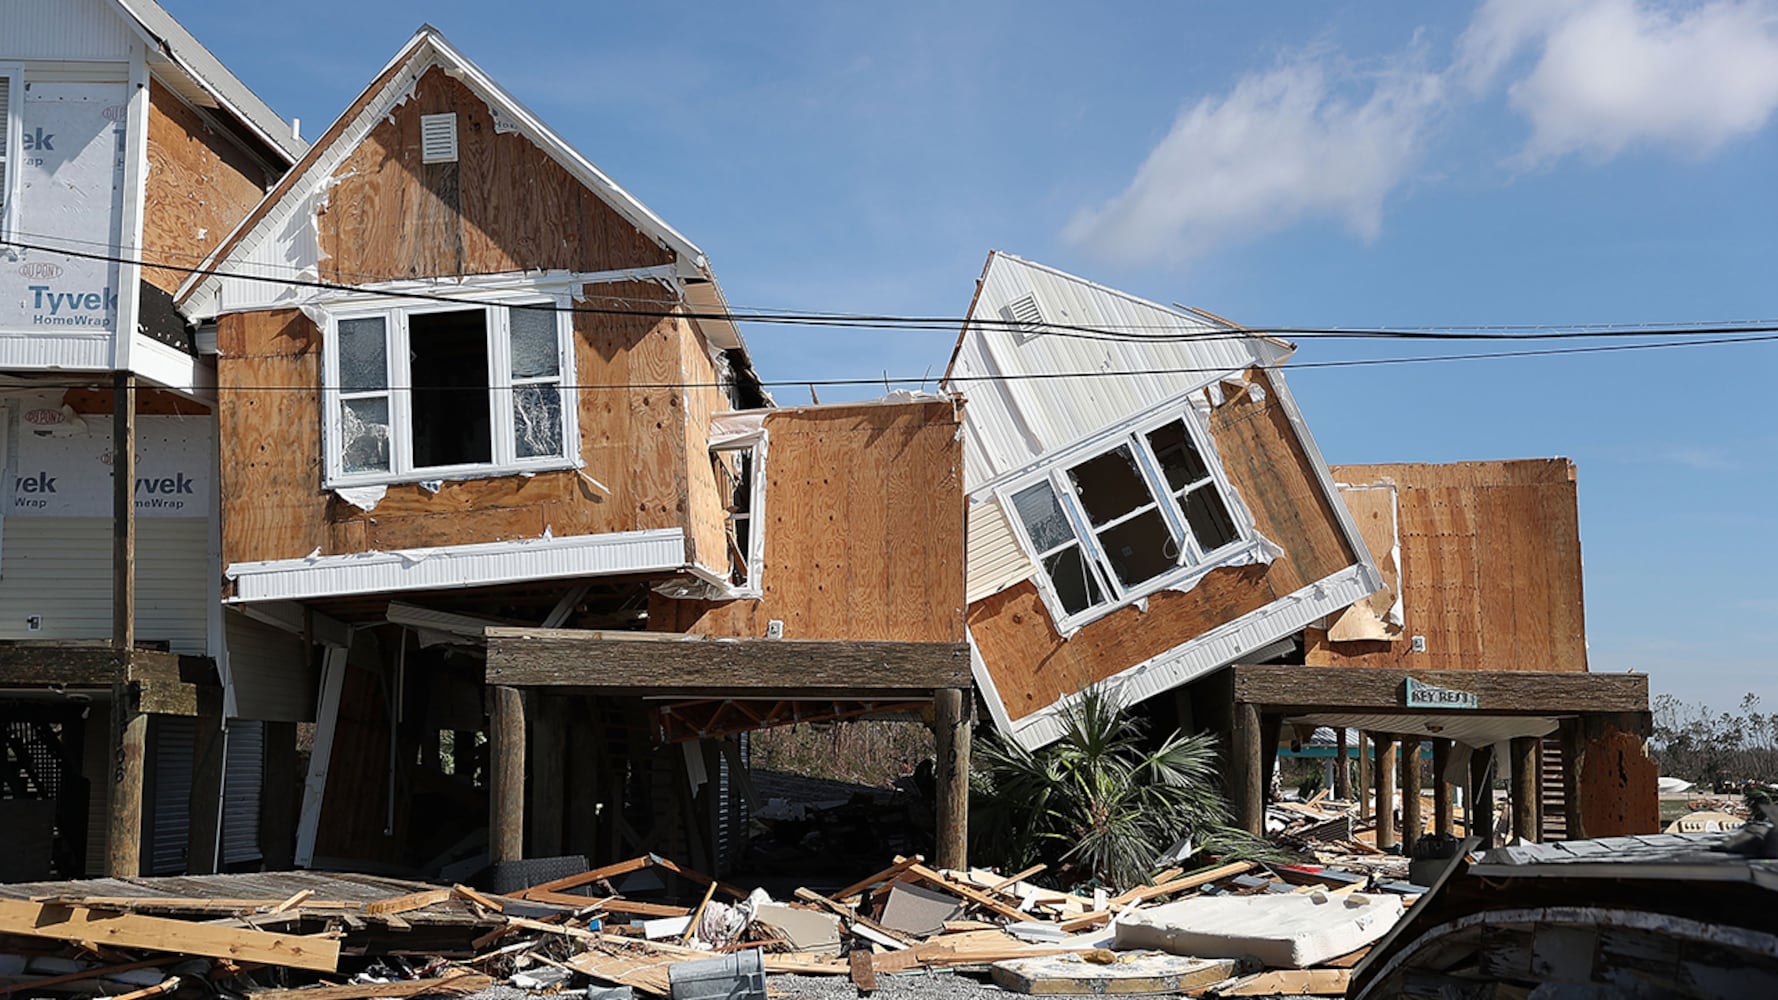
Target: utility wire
1113, 333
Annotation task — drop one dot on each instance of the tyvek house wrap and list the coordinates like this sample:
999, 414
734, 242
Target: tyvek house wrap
1030, 322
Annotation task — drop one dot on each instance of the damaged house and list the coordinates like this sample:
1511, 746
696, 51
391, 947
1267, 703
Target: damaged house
124, 144
497, 465
1148, 513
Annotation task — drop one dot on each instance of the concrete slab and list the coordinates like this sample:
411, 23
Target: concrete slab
1130, 972
1279, 932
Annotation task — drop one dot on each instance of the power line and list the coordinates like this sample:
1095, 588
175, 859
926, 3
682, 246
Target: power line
1113, 333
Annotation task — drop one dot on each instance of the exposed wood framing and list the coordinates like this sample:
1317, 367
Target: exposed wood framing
1501, 692
595, 660
128, 930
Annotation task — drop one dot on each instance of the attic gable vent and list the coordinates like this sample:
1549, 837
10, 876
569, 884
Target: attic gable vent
438, 138
1025, 317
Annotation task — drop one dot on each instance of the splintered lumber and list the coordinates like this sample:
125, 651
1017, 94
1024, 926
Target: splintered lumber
691, 926
864, 975
611, 904
465, 892
647, 973
129, 930
166, 985
453, 985
1012, 880
624, 868
970, 893
699, 877
1145, 893
97, 972
887, 874
1302, 982
295, 900
404, 904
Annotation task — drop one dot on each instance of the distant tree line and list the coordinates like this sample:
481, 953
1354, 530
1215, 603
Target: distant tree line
1724, 750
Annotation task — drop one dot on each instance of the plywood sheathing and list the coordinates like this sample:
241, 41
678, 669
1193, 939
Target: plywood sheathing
864, 530
149, 403
505, 205
633, 441
1491, 571
1618, 786
1033, 666
200, 184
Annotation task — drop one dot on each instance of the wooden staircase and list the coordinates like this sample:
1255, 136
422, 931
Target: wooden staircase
1552, 798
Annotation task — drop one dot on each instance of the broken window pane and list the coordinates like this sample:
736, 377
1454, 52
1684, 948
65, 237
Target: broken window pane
364, 435
537, 420
364, 354
1208, 517
534, 348
1110, 485
1042, 516
1140, 549
1073, 579
448, 359
1178, 455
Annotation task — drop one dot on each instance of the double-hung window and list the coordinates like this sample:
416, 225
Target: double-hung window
444, 391
1141, 512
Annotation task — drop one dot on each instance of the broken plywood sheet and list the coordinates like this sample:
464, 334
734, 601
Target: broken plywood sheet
917, 910
1109, 972
806, 930
1288, 931
1377, 618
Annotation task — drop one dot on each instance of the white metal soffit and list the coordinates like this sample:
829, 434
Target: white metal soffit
282, 243
1476, 729
1225, 644
1010, 422
659, 550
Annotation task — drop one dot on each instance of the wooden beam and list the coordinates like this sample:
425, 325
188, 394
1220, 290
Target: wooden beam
968, 892
1412, 823
404, 904
129, 748
1385, 767
1444, 820
1574, 752
527, 657
950, 726
506, 787
90, 665
1245, 769
883, 876
1524, 788
1293, 689
123, 509
129, 930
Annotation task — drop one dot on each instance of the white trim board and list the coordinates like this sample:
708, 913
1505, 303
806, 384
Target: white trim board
659, 550
1223, 645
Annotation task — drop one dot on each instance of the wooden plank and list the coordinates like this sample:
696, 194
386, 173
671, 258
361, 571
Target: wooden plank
968, 892
1018, 877
564, 657
1143, 894
1503, 692
177, 904
406, 903
864, 974
590, 876
886, 875
457, 983
1290, 982
127, 930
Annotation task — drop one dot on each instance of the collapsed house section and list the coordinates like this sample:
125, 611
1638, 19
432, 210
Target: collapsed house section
1146, 503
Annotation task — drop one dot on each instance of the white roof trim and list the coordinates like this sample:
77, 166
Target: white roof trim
428, 48
659, 550
1223, 645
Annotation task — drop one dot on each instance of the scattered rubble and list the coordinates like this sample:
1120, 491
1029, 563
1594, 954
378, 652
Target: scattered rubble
315, 936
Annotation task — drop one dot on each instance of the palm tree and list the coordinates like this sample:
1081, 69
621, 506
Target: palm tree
1101, 799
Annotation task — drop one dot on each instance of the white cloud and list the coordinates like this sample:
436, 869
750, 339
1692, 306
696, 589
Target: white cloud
1612, 74
1281, 147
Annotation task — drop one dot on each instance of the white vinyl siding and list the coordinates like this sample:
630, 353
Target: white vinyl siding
274, 680
59, 569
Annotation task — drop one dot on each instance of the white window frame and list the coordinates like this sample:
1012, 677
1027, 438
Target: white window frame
12, 117
398, 389
755, 446
1191, 559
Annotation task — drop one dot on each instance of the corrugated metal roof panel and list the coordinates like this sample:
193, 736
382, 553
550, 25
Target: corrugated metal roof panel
996, 559
1011, 420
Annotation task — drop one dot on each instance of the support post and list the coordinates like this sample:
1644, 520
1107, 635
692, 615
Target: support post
546, 772
277, 805
1343, 773
1247, 770
129, 745
1524, 788
1444, 819
1386, 839
1574, 752
1481, 795
123, 508
1271, 726
1364, 775
1412, 823
506, 772
951, 728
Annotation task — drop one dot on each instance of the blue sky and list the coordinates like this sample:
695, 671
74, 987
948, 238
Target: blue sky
1286, 164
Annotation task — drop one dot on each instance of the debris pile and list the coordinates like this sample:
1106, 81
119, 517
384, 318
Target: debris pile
1235, 929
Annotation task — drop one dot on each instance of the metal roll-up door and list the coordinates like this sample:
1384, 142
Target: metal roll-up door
175, 745
242, 786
